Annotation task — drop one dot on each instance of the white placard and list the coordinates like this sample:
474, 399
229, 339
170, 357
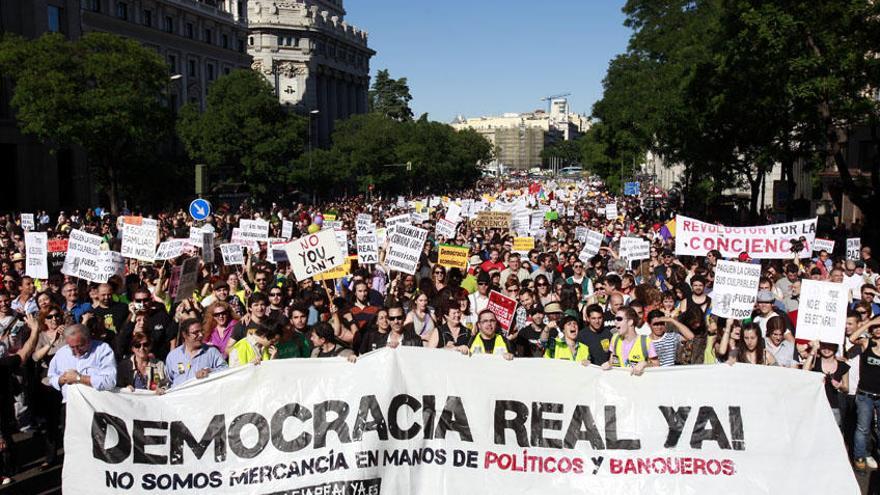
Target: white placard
36, 255
254, 230
314, 254
592, 244
27, 221
611, 211
286, 229
110, 263
405, 248
822, 311
367, 248
580, 233
634, 249
735, 289
854, 248
170, 249
139, 242
188, 281
232, 254
237, 238
453, 213
390, 223
196, 238
445, 228
536, 221
342, 241
208, 247
823, 245
83, 256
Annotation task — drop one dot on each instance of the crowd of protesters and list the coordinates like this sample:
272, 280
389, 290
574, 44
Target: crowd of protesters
600, 311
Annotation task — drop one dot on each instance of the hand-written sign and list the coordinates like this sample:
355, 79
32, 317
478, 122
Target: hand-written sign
27, 221
445, 228
57, 254
170, 249
367, 248
451, 256
139, 242
313, 254
254, 230
405, 248
822, 311
492, 220
853, 248
592, 244
735, 289
83, 256
188, 279
232, 254
523, 244
823, 245
36, 262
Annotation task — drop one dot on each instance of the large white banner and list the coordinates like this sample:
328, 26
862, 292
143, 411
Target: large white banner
735, 289
387, 425
696, 238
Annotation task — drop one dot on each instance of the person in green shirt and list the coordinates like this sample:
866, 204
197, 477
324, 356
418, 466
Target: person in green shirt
294, 340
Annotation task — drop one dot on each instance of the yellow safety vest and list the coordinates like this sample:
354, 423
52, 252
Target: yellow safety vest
246, 352
500, 346
560, 350
637, 354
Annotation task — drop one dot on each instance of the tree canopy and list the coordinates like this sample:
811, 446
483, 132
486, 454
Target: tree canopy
102, 92
390, 97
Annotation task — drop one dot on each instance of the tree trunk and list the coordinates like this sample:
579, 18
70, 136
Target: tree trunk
112, 185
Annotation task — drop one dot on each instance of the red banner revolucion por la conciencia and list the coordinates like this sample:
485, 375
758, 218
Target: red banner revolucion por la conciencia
696, 238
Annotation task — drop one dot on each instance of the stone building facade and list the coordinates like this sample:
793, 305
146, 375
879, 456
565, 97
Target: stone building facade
315, 60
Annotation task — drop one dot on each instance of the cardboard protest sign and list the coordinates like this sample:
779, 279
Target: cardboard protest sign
381, 236
342, 240
735, 289
254, 230
286, 229
823, 245
391, 223
822, 311
450, 256
611, 211
83, 256
453, 213
139, 242
367, 248
445, 228
634, 249
196, 239
187, 282
853, 248
580, 233
405, 248
27, 221
331, 217
492, 220
504, 309
110, 263
275, 252
36, 258
313, 254
208, 247
170, 249
520, 221
536, 221
232, 254
523, 244
238, 238
364, 223
592, 244
57, 254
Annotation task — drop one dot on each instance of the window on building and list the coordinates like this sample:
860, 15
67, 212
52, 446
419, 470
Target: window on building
241, 8
224, 40
241, 46
169, 24
188, 30
54, 18
172, 64
210, 72
250, 41
122, 10
93, 5
191, 68
148, 18
208, 36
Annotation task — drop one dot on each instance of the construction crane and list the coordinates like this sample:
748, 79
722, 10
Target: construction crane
550, 98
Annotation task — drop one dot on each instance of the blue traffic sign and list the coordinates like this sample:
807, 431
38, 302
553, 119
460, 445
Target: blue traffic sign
199, 209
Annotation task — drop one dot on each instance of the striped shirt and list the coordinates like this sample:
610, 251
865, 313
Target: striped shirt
666, 347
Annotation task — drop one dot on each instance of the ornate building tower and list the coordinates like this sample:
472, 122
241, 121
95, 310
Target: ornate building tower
314, 59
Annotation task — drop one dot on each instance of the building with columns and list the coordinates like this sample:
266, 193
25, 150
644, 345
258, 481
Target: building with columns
313, 58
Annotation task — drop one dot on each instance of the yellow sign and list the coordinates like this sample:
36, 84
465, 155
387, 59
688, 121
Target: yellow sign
451, 256
330, 217
523, 244
336, 273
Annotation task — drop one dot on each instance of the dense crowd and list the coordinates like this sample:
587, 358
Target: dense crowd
599, 311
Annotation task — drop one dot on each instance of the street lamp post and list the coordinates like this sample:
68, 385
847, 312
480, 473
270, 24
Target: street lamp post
312, 112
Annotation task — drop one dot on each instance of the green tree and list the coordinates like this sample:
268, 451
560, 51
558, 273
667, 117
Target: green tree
244, 134
103, 93
390, 97
567, 152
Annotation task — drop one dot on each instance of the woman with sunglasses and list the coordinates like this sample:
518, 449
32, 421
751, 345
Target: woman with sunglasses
141, 371
219, 324
545, 295
47, 400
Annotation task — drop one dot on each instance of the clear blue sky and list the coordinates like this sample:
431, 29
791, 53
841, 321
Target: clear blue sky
486, 57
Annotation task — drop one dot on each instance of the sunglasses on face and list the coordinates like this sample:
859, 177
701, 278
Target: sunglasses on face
395, 318
274, 294
142, 300
143, 345
55, 316
618, 318
218, 315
